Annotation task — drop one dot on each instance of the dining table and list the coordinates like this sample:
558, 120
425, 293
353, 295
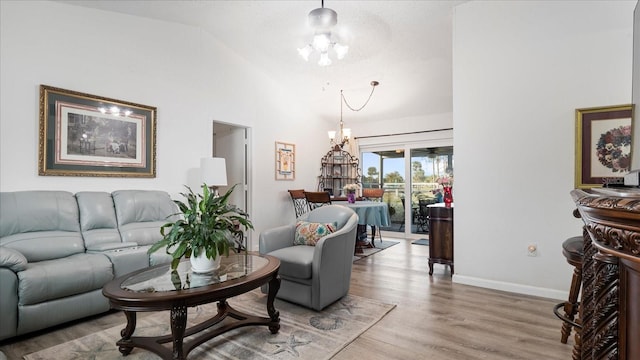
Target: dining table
372, 213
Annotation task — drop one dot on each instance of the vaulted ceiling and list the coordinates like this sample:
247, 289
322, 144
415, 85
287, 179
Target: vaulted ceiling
405, 45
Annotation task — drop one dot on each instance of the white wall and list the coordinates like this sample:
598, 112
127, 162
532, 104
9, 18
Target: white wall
521, 68
190, 77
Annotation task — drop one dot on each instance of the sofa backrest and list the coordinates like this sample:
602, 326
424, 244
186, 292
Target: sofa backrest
141, 213
42, 225
98, 221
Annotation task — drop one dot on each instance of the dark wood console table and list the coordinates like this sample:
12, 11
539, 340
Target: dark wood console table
440, 235
610, 304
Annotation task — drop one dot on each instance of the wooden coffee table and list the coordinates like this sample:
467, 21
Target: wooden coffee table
158, 288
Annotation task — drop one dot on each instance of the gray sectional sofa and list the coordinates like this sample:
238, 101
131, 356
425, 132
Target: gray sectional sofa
57, 250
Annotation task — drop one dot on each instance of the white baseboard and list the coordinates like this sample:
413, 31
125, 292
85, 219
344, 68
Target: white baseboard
510, 287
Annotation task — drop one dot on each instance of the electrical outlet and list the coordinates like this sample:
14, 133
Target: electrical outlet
532, 250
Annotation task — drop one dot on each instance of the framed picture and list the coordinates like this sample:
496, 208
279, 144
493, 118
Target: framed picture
88, 135
285, 161
603, 144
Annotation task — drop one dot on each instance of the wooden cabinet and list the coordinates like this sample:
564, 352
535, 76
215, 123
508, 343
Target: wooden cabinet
338, 168
440, 235
610, 303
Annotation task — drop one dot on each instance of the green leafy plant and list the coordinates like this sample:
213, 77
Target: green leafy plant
207, 223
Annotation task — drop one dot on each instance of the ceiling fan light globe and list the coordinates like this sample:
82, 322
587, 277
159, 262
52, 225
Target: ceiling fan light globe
305, 52
324, 59
321, 42
341, 50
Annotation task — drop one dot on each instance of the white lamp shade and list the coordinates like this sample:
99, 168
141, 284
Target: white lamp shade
332, 134
213, 171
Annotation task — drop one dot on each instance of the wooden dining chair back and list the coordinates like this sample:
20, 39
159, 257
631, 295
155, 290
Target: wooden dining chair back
317, 198
373, 194
300, 204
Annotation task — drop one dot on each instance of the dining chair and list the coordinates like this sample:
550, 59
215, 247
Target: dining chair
300, 204
373, 195
316, 199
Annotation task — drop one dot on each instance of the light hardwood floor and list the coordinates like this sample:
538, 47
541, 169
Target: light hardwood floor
433, 319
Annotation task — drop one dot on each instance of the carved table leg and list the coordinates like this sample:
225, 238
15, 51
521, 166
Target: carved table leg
178, 326
274, 286
126, 334
431, 267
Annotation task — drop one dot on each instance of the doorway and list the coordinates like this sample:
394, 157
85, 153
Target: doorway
233, 143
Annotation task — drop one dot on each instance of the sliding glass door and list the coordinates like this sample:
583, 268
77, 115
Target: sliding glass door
411, 178
429, 167
386, 169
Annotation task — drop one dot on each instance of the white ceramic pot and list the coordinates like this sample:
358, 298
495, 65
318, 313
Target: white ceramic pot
202, 264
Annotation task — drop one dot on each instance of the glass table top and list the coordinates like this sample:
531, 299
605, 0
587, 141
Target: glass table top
162, 278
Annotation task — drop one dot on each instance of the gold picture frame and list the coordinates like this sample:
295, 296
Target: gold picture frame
603, 144
88, 135
285, 161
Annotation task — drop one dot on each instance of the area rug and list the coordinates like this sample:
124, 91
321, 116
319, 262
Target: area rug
378, 247
304, 333
421, 242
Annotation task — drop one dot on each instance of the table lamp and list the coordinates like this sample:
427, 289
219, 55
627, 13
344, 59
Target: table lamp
213, 173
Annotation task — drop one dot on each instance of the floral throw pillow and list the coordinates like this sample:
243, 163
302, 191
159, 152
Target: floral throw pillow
308, 233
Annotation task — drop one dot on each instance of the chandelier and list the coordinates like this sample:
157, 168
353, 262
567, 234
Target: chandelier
322, 20
345, 134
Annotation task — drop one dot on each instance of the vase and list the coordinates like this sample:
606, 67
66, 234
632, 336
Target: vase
448, 196
351, 197
203, 264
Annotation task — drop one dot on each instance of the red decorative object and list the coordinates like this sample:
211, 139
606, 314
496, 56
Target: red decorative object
351, 197
448, 197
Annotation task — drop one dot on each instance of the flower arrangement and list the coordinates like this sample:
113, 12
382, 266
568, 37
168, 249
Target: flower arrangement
351, 188
445, 181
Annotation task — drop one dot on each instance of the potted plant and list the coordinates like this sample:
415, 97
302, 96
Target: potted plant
204, 230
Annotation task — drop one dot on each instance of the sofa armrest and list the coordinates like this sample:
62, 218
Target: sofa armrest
12, 259
276, 238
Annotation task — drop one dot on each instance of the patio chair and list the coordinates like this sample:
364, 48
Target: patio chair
422, 220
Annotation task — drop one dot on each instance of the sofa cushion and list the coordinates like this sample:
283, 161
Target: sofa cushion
295, 261
308, 233
134, 206
141, 213
98, 221
29, 211
41, 225
54, 279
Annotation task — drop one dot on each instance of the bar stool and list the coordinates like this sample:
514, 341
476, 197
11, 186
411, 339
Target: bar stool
572, 249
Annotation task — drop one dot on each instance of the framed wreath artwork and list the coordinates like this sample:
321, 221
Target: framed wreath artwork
603, 144
285, 161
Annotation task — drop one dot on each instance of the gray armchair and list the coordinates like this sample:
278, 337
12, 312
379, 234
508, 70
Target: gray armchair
314, 276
